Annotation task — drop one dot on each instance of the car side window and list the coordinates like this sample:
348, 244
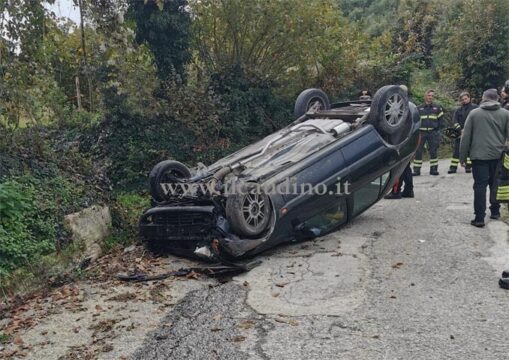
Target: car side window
328, 219
368, 194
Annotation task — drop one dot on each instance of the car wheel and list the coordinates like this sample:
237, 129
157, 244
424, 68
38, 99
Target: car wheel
249, 213
309, 98
389, 110
168, 171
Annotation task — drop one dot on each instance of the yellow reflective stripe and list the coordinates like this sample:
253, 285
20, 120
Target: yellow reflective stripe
503, 192
455, 161
506, 161
441, 114
417, 161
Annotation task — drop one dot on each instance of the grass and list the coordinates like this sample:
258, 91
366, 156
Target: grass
62, 267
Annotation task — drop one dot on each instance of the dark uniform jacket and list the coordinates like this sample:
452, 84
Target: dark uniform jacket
431, 117
505, 105
460, 115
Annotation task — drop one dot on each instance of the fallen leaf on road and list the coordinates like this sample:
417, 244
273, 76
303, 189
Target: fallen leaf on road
397, 265
247, 324
239, 338
292, 322
18, 340
193, 275
127, 296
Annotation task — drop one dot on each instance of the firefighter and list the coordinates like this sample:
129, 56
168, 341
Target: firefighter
459, 117
431, 122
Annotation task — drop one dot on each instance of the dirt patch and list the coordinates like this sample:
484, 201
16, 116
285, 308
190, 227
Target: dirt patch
98, 317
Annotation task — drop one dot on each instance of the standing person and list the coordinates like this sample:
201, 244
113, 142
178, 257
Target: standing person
486, 130
406, 176
505, 95
459, 117
431, 122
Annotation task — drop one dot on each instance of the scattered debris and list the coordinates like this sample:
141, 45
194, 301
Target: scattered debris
247, 324
190, 273
126, 296
281, 319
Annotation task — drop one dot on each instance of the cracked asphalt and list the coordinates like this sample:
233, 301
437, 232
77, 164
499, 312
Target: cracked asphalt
408, 279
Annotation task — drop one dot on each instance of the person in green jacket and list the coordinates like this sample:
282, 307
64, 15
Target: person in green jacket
484, 135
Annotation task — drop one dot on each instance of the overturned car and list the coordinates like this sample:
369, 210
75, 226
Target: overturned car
305, 180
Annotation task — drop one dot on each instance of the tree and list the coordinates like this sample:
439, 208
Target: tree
277, 40
374, 16
473, 49
165, 26
415, 28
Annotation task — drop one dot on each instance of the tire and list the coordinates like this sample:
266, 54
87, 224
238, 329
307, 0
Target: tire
389, 111
249, 214
165, 172
307, 99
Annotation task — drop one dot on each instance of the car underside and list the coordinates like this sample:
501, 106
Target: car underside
303, 181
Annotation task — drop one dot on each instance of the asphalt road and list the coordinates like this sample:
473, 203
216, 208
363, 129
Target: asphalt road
409, 279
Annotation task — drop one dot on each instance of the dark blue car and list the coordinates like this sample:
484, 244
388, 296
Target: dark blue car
305, 180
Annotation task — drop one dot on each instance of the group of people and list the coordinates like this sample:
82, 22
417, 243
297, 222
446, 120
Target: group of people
432, 121
481, 147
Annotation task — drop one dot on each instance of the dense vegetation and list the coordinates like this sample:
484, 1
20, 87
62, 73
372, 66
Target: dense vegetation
87, 109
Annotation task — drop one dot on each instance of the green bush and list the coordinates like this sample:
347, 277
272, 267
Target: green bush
24, 235
127, 211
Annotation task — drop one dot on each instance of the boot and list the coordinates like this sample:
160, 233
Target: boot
408, 193
434, 170
452, 170
417, 171
468, 169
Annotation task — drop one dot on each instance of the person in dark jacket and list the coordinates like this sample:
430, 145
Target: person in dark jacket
431, 123
459, 117
484, 136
